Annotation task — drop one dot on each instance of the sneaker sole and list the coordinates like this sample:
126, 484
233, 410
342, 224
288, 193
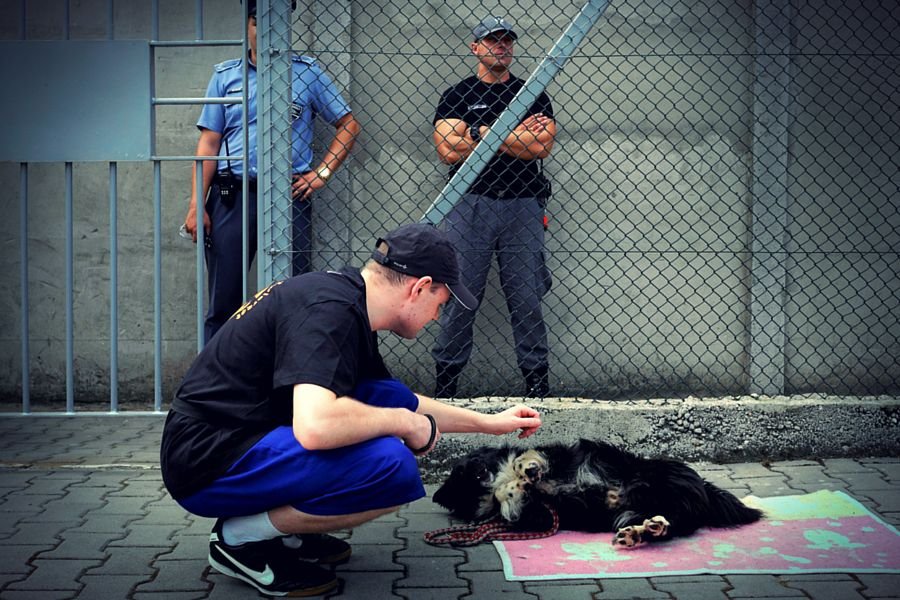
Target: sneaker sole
302, 593
335, 559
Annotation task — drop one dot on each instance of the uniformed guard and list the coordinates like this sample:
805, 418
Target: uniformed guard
221, 134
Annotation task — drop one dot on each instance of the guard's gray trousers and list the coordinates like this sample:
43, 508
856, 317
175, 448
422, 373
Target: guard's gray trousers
480, 226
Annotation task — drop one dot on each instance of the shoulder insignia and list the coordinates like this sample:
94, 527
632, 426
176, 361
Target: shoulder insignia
228, 64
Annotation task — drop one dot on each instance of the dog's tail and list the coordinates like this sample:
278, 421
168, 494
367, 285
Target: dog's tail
726, 510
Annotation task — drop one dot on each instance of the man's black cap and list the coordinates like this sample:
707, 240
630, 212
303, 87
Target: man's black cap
420, 250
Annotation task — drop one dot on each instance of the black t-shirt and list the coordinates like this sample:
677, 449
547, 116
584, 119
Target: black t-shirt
312, 328
479, 103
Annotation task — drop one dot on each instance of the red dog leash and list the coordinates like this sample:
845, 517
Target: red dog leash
486, 531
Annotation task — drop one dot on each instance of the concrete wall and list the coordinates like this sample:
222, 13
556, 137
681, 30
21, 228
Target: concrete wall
652, 221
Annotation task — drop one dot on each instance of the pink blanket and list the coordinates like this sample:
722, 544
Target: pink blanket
816, 533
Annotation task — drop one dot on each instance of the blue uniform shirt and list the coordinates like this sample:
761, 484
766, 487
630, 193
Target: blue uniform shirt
313, 92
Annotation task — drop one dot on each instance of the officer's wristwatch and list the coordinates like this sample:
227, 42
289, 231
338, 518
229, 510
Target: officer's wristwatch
475, 133
324, 173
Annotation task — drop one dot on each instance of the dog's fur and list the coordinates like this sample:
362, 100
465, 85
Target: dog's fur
593, 486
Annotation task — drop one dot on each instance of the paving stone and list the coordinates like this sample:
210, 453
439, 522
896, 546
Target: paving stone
428, 521
41, 595
228, 587
140, 488
55, 575
374, 558
629, 589
749, 471
493, 585
864, 481
103, 479
98, 587
880, 585
198, 526
13, 479
887, 500
890, 468
430, 571
177, 576
759, 586
367, 585
416, 547
835, 466
180, 596
130, 561
164, 513
148, 535
374, 533
45, 534
767, 487
14, 558
188, 547
30, 503
698, 587
483, 557
79, 545
564, 589
60, 511
96, 522
432, 594
824, 589
425, 505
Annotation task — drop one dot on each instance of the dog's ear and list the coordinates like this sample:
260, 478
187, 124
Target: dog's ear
460, 493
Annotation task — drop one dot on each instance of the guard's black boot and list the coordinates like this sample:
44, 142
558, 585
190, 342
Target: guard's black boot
537, 382
446, 380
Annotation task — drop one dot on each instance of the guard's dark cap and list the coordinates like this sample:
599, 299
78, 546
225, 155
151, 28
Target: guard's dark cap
492, 26
420, 250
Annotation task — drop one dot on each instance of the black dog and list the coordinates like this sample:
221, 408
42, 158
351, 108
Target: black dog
593, 486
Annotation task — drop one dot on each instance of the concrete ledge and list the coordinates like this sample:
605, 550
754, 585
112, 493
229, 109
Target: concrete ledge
730, 429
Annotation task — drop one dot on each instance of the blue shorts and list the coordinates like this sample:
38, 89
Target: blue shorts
278, 471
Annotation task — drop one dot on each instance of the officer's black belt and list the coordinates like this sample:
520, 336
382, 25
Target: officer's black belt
236, 181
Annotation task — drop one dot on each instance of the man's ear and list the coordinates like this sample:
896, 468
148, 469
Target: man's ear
421, 284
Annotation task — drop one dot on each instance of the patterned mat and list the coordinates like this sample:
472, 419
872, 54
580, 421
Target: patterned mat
822, 532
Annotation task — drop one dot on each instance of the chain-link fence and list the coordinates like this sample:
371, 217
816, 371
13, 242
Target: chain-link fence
725, 209
725, 202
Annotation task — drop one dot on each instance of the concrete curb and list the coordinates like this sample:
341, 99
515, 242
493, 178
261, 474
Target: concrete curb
729, 429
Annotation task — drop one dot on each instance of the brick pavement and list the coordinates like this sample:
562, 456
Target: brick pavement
84, 515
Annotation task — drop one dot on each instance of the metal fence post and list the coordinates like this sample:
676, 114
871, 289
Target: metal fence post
274, 137
769, 196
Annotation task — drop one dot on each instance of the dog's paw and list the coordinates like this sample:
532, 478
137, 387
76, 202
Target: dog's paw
629, 537
632, 536
656, 526
530, 466
511, 497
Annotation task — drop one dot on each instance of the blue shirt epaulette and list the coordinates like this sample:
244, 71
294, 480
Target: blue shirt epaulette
228, 64
307, 60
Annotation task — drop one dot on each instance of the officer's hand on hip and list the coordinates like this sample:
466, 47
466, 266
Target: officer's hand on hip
303, 186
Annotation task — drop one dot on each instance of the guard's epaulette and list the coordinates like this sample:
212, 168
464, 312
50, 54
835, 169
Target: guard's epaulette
307, 60
228, 64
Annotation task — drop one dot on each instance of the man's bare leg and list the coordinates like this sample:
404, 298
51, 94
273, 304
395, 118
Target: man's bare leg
289, 520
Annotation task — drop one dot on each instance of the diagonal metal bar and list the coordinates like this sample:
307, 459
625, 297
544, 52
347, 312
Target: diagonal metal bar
552, 64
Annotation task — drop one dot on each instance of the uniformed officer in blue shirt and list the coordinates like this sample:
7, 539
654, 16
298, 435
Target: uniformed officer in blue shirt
221, 134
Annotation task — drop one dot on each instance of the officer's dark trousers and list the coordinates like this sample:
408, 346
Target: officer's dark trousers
223, 253
513, 229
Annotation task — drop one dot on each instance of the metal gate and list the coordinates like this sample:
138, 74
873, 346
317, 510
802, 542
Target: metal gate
724, 221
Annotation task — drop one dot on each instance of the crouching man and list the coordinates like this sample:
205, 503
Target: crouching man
288, 424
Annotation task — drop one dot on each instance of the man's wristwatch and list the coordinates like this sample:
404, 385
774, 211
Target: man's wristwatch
324, 173
475, 133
